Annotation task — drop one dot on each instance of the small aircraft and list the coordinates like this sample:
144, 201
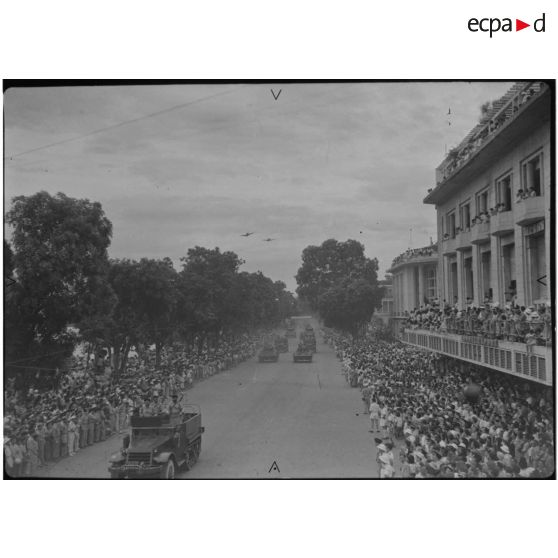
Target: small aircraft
268, 239
247, 234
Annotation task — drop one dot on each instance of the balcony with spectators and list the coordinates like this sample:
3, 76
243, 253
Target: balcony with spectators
514, 115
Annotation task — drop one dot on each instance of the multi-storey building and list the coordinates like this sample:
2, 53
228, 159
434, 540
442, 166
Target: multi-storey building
415, 281
493, 202
385, 313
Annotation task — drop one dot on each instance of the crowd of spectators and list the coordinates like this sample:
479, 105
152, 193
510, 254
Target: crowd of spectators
531, 325
431, 418
84, 407
484, 130
411, 253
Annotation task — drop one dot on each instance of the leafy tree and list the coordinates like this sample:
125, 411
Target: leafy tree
349, 304
204, 286
142, 308
287, 302
60, 258
8, 260
325, 266
156, 302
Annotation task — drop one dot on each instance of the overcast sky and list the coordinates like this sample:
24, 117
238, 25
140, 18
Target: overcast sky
183, 165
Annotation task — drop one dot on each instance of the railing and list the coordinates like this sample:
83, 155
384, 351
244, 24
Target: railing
509, 357
502, 223
523, 95
463, 240
480, 233
449, 245
415, 258
530, 210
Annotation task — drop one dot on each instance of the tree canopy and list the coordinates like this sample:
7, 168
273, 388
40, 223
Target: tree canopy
59, 259
340, 282
63, 277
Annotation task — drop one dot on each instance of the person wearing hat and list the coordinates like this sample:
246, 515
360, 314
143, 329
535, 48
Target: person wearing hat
63, 436
32, 448
91, 426
48, 439
83, 427
175, 407
8, 454
102, 422
374, 410
55, 433
40, 431
18, 452
72, 428
386, 469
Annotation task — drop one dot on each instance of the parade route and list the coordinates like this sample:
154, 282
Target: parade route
274, 420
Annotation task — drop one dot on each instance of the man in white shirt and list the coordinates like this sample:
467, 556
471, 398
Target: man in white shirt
374, 416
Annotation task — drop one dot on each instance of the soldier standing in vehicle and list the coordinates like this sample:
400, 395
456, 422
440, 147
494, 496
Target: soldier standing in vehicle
175, 406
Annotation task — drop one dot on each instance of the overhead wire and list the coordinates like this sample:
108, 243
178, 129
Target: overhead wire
123, 123
258, 114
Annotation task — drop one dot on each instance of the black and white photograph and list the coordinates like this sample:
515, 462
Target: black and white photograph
345, 279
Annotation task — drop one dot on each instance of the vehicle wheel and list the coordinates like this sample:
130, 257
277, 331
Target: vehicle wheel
187, 465
168, 470
196, 451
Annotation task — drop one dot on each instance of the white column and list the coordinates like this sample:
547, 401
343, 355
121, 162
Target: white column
460, 281
495, 268
477, 298
421, 292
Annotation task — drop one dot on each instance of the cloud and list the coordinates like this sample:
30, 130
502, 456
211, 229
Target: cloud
186, 165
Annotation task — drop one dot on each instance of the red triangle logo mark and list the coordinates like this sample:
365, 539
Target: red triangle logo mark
519, 25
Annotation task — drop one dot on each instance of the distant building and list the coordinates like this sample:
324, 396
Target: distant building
415, 281
493, 203
385, 313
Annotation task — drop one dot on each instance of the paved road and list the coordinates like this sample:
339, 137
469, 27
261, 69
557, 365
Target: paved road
303, 417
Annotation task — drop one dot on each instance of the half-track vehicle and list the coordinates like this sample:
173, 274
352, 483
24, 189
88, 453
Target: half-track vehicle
268, 353
303, 353
159, 445
291, 327
309, 339
282, 344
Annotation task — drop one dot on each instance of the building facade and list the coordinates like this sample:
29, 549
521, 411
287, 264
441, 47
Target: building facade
415, 281
385, 312
493, 205
493, 198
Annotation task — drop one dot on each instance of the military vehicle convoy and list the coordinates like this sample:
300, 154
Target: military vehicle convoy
282, 344
268, 353
309, 338
159, 445
303, 353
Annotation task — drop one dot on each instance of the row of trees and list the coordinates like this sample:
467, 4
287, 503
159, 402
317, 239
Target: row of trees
337, 281
65, 278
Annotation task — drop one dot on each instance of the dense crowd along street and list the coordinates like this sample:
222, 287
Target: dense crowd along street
446, 421
531, 325
302, 416
44, 425
425, 417
141, 329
